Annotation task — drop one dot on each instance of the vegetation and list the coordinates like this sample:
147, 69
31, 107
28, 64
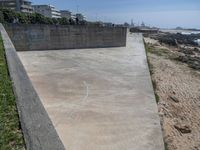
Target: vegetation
10, 16
157, 51
149, 49
166, 146
11, 137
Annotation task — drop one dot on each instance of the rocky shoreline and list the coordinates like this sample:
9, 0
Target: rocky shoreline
188, 51
175, 72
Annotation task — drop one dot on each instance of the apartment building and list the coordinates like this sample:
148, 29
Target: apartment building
47, 11
66, 14
17, 5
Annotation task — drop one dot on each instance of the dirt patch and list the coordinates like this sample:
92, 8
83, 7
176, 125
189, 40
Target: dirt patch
178, 88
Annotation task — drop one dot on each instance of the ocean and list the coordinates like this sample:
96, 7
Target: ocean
197, 41
192, 32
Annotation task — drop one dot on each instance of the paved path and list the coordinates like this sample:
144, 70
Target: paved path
98, 99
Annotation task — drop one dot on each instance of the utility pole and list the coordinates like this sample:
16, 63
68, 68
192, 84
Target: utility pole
77, 8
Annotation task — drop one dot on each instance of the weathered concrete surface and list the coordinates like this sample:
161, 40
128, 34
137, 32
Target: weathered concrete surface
98, 99
48, 37
38, 130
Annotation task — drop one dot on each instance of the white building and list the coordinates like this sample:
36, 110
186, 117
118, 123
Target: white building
65, 14
17, 5
47, 11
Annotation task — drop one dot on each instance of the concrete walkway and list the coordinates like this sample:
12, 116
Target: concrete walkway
98, 99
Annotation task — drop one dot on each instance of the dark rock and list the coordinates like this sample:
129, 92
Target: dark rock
174, 39
183, 128
196, 50
195, 65
192, 61
187, 51
174, 99
183, 59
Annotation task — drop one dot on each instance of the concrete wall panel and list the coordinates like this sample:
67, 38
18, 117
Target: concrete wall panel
47, 37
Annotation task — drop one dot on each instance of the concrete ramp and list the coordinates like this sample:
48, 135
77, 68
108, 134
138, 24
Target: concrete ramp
98, 99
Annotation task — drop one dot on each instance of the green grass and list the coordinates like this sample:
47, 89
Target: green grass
149, 50
156, 95
11, 137
157, 51
166, 146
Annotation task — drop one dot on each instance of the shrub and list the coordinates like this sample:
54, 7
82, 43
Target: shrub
71, 21
40, 19
22, 18
9, 15
63, 21
55, 21
1, 17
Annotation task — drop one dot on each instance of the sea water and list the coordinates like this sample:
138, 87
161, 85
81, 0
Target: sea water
197, 41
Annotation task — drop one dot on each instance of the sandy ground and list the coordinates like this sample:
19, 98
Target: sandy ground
178, 88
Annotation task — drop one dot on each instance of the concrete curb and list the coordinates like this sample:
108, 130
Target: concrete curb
39, 132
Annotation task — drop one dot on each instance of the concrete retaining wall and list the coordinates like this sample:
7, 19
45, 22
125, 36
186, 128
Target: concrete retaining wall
38, 130
51, 37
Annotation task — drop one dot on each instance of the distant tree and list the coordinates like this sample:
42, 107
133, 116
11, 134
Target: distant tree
49, 20
40, 19
71, 21
55, 21
32, 18
22, 18
1, 17
63, 21
77, 20
9, 15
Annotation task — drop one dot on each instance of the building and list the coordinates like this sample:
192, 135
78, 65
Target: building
17, 5
47, 11
65, 14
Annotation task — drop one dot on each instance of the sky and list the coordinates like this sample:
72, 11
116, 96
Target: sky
159, 13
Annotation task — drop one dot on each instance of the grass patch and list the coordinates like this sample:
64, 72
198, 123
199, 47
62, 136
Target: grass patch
150, 49
11, 137
166, 146
156, 95
157, 51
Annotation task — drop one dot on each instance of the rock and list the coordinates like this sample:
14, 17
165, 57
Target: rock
177, 39
187, 51
183, 59
183, 128
196, 50
174, 99
195, 65
192, 61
